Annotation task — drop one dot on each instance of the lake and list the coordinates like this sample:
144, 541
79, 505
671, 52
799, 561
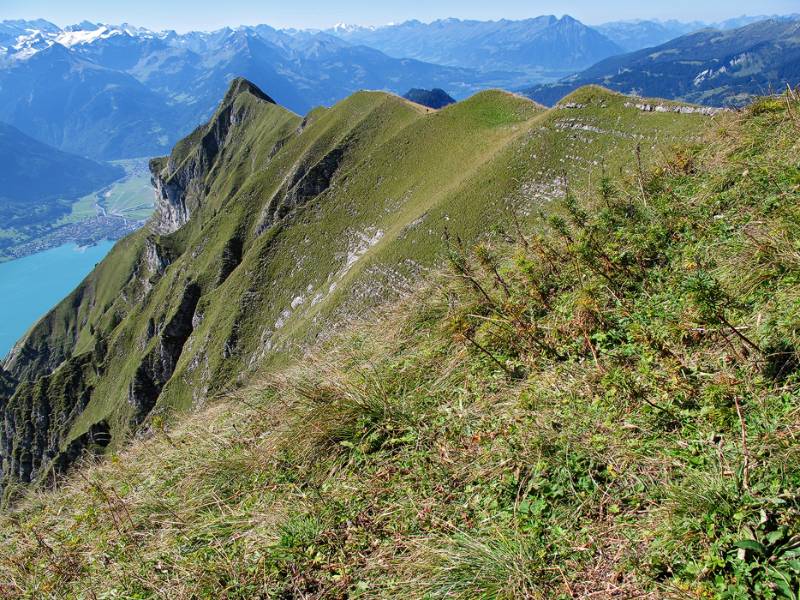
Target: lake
31, 286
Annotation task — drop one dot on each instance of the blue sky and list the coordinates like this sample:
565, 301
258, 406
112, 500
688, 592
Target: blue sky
209, 14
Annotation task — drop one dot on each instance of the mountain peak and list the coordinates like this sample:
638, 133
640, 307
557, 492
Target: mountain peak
436, 98
239, 86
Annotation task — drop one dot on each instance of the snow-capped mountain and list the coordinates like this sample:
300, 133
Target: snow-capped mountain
24, 38
117, 91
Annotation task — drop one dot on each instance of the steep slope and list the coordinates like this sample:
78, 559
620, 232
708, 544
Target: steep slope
39, 183
603, 406
544, 45
715, 68
273, 229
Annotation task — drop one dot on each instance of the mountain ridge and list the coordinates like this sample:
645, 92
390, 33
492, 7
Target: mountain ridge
599, 399
708, 67
226, 277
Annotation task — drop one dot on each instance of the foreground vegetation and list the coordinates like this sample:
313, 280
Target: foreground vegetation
605, 406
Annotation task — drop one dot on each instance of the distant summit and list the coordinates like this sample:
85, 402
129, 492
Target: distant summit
541, 47
710, 67
240, 85
436, 98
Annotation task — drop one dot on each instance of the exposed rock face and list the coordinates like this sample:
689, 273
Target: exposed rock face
37, 418
231, 257
171, 210
7, 385
156, 258
659, 108
180, 184
306, 183
159, 364
675, 108
93, 441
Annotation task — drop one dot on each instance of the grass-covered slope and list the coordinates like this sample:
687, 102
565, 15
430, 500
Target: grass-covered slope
602, 404
273, 229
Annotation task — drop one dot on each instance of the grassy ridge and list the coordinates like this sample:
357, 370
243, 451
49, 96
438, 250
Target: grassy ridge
603, 404
279, 261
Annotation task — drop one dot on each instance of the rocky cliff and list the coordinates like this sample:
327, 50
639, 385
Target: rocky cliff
179, 181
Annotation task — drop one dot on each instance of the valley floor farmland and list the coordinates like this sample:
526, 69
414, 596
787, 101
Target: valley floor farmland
109, 213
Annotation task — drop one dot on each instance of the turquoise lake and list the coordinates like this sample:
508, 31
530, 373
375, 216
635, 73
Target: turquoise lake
31, 286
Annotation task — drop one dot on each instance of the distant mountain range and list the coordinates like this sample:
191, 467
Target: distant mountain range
638, 34
116, 92
111, 92
635, 35
539, 47
712, 67
39, 184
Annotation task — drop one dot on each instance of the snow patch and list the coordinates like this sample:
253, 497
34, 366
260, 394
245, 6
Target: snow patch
76, 38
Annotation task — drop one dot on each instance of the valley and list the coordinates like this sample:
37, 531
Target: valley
109, 213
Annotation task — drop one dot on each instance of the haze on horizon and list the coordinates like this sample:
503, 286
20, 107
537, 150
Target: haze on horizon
185, 15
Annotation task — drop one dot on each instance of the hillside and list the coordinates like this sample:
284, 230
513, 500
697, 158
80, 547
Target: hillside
715, 68
39, 183
273, 229
600, 403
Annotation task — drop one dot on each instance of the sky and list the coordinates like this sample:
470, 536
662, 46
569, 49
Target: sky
184, 15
